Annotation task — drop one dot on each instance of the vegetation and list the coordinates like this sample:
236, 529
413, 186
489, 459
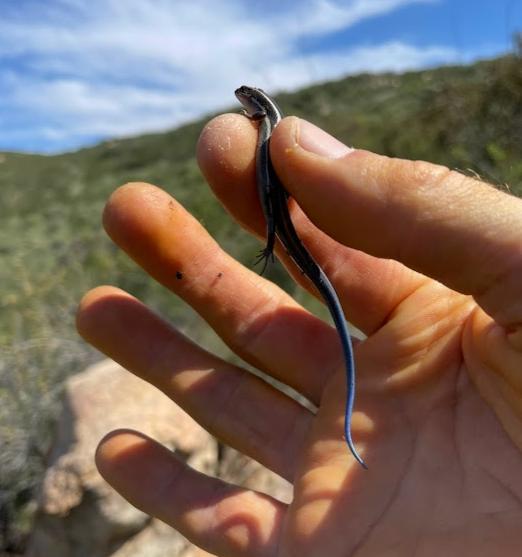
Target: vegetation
52, 247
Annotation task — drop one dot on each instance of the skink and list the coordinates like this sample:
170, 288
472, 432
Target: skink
274, 202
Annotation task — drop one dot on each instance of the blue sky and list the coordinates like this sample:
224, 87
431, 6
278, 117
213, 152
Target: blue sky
75, 72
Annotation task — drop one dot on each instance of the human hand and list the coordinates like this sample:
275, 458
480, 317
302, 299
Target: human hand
432, 277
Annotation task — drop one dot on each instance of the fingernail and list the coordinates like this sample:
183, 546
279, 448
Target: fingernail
314, 139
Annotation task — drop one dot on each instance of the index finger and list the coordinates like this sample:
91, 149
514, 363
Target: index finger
226, 154
452, 228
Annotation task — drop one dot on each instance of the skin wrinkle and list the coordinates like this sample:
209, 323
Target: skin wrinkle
487, 385
336, 365
417, 543
251, 331
254, 439
205, 538
441, 331
510, 394
395, 309
490, 351
252, 328
164, 348
241, 339
457, 420
169, 485
231, 521
259, 436
224, 517
386, 508
218, 513
418, 346
490, 392
302, 430
505, 488
426, 519
500, 279
297, 429
423, 177
429, 177
513, 379
256, 436
337, 268
226, 402
238, 319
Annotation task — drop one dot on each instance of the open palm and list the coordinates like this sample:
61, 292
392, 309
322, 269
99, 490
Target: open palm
438, 402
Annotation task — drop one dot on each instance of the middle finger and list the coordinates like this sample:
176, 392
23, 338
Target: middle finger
257, 319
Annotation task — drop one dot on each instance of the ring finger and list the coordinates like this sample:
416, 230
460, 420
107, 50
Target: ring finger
241, 409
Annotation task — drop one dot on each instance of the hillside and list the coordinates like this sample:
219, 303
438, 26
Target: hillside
52, 248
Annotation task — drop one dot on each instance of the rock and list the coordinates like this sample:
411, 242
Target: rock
79, 514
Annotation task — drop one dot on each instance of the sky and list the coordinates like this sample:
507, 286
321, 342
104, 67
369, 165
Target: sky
73, 73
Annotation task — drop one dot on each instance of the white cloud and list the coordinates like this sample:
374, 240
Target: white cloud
325, 16
108, 68
392, 56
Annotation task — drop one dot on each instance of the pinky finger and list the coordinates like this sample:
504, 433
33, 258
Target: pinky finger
221, 518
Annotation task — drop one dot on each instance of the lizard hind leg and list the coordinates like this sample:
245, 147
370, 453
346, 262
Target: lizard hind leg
266, 255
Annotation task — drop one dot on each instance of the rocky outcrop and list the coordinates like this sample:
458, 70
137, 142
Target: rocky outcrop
79, 514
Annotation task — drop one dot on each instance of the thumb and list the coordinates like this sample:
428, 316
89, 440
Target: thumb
455, 229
